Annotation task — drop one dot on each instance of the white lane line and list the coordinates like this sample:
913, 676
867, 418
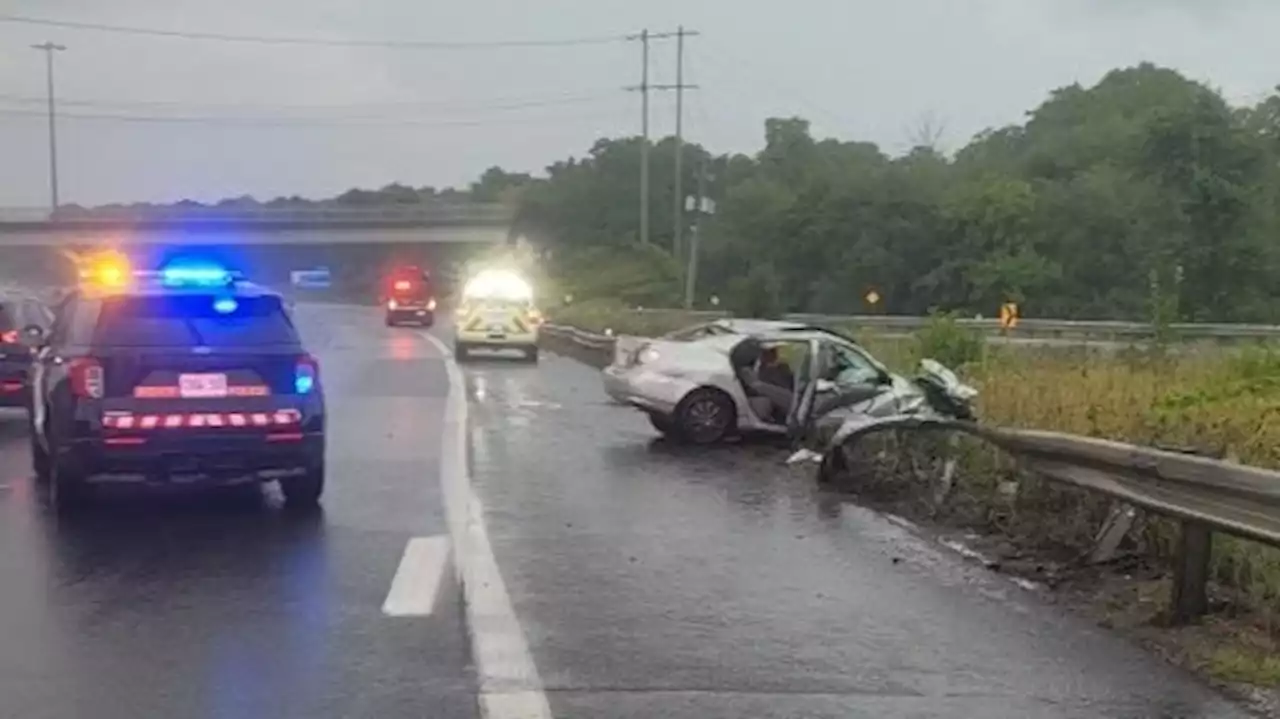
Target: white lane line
510, 687
417, 581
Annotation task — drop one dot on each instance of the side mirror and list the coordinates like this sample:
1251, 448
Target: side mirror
826, 385
33, 336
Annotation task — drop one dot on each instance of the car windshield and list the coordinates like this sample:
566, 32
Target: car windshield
190, 320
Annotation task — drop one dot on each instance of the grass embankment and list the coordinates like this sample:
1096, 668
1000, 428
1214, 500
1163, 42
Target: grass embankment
1224, 404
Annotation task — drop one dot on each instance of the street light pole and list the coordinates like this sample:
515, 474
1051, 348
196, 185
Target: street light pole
49, 48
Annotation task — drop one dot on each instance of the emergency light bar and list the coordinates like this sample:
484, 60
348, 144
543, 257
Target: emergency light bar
181, 274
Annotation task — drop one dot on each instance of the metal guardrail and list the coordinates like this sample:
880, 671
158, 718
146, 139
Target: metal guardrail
582, 338
1207, 495
1052, 328
1085, 330
453, 212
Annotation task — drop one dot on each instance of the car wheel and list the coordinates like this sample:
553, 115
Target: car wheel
304, 492
66, 489
705, 416
459, 351
531, 353
390, 320
39, 460
661, 422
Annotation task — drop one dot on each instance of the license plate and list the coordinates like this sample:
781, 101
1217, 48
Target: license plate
202, 385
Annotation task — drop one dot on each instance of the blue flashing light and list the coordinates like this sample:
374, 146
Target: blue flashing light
304, 376
225, 305
303, 383
184, 273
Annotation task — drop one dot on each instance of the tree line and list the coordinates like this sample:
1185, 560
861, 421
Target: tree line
1147, 194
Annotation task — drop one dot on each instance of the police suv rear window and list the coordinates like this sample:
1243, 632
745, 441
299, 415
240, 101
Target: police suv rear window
193, 320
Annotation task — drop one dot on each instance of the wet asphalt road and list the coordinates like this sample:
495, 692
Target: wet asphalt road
217, 606
655, 581
649, 581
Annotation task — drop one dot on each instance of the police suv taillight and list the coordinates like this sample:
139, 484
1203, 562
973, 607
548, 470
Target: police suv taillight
87, 378
305, 374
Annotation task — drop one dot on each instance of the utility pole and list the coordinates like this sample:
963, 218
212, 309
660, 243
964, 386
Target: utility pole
677, 232
644, 36
701, 205
643, 87
49, 48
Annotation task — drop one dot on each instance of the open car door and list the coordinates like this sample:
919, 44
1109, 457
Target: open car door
806, 391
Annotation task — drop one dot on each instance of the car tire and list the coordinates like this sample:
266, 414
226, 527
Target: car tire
66, 488
531, 354
459, 351
304, 492
705, 416
662, 423
390, 320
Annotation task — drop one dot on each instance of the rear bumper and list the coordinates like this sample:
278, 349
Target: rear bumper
649, 391
418, 314
13, 391
196, 459
497, 339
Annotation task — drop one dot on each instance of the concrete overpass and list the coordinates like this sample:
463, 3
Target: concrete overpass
389, 225
358, 245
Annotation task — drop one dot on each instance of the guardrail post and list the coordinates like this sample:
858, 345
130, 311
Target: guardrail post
1118, 523
1191, 573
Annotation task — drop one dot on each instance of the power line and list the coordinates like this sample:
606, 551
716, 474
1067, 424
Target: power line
312, 41
272, 121
498, 104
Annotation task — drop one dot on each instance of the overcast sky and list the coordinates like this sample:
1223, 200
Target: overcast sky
288, 119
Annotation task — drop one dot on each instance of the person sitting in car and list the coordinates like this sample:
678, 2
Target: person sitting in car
770, 398
774, 371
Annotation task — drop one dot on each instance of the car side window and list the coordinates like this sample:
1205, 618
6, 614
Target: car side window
847, 366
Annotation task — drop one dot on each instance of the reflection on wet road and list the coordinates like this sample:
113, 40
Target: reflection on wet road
654, 580
220, 605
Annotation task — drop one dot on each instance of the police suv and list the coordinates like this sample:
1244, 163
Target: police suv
184, 376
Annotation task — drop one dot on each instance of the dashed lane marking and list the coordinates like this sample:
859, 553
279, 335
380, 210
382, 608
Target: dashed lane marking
417, 581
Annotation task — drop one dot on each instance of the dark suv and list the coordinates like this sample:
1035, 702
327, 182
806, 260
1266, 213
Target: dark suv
15, 356
176, 383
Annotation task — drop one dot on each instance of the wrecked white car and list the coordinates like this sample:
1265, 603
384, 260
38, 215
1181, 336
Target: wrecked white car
736, 377
830, 420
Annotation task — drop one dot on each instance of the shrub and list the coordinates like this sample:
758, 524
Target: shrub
946, 341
